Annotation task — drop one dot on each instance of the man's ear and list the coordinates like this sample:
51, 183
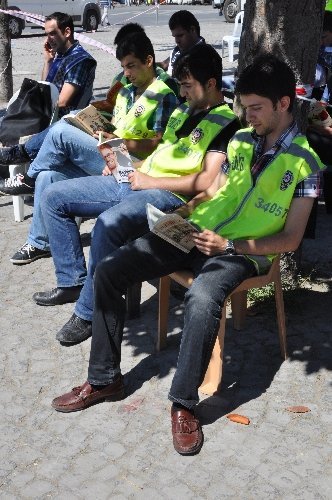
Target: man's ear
284, 103
149, 61
67, 32
211, 84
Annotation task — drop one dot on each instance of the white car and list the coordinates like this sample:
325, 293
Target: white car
84, 13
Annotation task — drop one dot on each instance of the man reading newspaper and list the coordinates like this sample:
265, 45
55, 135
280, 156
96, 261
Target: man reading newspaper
260, 209
185, 163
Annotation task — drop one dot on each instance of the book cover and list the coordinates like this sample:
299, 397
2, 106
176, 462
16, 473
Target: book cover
90, 120
117, 157
171, 227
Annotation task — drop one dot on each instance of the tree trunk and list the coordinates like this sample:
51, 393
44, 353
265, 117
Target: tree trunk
289, 29
6, 75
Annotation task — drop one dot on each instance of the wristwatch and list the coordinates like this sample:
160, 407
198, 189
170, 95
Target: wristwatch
230, 248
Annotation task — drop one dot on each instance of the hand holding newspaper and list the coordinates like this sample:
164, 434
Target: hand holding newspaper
117, 158
171, 227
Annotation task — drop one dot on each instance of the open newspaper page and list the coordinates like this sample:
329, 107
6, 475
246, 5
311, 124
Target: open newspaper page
171, 227
117, 158
90, 120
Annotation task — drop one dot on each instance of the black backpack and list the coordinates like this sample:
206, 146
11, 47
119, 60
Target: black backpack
30, 113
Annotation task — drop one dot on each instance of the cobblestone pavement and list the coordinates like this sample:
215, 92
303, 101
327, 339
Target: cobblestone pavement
124, 450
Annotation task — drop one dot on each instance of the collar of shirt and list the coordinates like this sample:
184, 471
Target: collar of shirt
68, 51
283, 142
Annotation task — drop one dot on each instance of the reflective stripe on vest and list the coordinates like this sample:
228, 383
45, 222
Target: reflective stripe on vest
134, 124
176, 157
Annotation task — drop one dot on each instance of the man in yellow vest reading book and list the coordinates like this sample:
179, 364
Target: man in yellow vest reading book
261, 208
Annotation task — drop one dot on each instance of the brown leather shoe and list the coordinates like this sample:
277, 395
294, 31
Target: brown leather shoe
187, 432
85, 395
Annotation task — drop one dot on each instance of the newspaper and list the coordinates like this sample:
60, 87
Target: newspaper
90, 120
117, 158
171, 227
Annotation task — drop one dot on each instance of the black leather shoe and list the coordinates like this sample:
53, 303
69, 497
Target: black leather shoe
57, 296
74, 331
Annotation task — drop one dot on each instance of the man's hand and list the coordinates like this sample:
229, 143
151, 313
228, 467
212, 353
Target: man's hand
327, 131
107, 170
49, 53
138, 181
209, 242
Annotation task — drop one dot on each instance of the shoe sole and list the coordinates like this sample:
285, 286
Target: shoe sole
73, 342
109, 399
194, 451
28, 261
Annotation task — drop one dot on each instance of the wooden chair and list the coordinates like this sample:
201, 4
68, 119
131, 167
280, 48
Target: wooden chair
238, 298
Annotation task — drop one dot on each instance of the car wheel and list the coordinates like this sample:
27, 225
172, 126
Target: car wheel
15, 27
91, 21
231, 8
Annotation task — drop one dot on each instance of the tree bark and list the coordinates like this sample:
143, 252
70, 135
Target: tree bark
6, 74
289, 29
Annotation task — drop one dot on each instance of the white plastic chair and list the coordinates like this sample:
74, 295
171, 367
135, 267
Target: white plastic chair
18, 201
233, 39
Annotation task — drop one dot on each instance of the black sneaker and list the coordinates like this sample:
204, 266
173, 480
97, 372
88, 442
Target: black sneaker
16, 185
74, 331
13, 155
28, 254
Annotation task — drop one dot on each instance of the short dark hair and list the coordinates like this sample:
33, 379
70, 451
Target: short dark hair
137, 44
63, 21
269, 77
126, 30
202, 62
327, 23
185, 19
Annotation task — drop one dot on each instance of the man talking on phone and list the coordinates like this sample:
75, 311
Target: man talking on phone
67, 64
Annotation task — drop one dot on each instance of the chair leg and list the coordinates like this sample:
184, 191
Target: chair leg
18, 201
280, 316
239, 309
133, 300
212, 379
230, 51
164, 285
18, 205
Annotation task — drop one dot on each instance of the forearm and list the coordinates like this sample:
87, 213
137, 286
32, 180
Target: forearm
189, 185
46, 69
278, 243
146, 146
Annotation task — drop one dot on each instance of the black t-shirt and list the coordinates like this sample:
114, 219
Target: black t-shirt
220, 142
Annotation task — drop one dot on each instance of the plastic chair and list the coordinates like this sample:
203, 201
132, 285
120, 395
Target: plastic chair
238, 298
233, 39
18, 201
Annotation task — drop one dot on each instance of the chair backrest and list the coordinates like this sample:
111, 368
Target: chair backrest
238, 22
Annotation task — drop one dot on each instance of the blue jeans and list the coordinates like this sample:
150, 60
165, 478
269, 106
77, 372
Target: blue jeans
66, 152
122, 217
33, 145
147, 258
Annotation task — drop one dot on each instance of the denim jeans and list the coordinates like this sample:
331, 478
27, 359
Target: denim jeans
66, 152
65, 146
147, 258
122, 217
33, 145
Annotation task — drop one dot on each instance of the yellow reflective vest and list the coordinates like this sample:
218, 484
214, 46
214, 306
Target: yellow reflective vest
328, 6
176, 157
134, 123
244, 210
